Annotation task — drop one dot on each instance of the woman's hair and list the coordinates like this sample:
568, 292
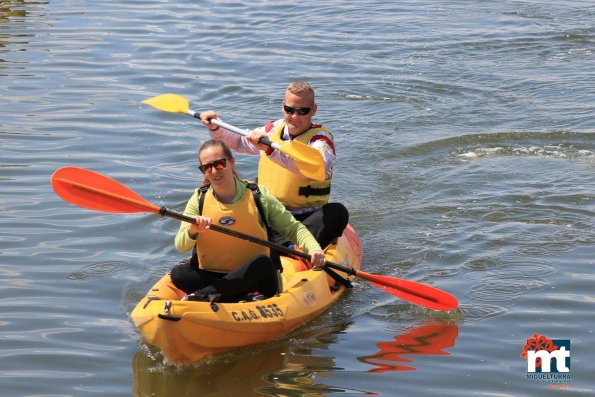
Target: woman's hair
226, 152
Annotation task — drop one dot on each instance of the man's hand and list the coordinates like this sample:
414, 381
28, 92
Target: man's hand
206, 118
255, 136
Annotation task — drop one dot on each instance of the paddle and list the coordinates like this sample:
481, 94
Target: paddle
310, 160
98, 192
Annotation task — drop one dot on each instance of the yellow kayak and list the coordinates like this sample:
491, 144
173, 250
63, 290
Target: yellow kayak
188, 331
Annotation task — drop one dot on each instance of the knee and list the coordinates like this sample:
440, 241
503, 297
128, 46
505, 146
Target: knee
337, 213
181, 276
343, 212
180, 271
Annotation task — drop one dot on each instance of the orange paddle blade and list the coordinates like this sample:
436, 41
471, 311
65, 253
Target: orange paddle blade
94, 191
414, 292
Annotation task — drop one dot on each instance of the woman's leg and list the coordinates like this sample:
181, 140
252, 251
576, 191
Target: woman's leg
258, 274
189, 278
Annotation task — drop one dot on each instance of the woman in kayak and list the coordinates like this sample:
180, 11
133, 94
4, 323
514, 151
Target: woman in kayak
225, 268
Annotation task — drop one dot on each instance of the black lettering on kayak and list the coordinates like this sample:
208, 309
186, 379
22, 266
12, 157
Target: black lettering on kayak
277, 309
241, 316
265, 311
268, 311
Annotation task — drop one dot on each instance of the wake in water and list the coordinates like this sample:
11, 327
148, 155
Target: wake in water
557, 144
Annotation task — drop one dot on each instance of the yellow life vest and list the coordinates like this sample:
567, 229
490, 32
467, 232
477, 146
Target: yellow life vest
220, 252
293, 190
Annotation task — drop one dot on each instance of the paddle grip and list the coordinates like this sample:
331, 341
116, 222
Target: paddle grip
176, 215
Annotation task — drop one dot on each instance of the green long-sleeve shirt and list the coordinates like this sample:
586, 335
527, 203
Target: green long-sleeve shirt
277, 216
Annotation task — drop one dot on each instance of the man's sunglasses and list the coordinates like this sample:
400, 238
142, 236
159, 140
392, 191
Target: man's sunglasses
217, 164
300, 111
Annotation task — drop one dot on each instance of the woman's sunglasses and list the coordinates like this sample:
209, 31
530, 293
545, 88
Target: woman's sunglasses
300, 111
217, 164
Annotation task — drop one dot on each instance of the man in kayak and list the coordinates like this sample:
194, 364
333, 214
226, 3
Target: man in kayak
306, 198
226, 268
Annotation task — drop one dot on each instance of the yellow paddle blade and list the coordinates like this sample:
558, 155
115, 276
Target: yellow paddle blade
308, 158
169, 103
313, 171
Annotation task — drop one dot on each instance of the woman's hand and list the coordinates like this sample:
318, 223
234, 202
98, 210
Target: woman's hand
317, 258
202, 224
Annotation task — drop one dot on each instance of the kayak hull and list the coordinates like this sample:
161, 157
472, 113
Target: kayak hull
187, 331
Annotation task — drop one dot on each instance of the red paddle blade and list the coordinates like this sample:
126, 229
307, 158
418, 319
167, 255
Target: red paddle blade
97, 192
411, 291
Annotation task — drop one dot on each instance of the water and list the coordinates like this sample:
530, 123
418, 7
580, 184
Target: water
465, 132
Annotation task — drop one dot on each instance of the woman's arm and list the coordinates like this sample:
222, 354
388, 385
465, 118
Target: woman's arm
183, 241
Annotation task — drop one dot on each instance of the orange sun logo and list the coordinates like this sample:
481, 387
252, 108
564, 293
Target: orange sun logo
537, 343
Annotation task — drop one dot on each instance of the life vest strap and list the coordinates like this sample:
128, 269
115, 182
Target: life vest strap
314, 191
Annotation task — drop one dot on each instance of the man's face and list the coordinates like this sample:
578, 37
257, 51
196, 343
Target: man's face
292, 106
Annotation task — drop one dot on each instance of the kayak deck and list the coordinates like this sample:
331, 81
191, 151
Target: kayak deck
188, 331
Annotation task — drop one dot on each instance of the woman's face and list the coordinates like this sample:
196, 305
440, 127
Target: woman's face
217, 174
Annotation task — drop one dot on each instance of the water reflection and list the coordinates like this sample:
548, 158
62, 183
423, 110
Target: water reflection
12, 14
289, 367
428, 339
16, 11
251, 372
284, 367
11, 9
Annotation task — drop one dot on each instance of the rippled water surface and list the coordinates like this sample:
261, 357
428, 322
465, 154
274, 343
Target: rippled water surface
466, 140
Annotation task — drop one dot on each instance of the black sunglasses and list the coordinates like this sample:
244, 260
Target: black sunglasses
300, 111
217, 164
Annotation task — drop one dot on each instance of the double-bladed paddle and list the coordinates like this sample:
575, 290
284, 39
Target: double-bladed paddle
98, 192
309, 159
